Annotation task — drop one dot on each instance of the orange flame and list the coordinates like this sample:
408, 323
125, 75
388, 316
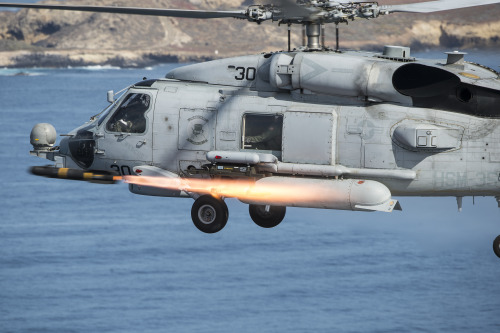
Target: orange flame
245, 190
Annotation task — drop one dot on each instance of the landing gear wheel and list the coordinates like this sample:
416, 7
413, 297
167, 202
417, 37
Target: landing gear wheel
209, 214
496, 246
267, 219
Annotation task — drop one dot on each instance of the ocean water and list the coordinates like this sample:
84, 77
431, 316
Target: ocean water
79, 257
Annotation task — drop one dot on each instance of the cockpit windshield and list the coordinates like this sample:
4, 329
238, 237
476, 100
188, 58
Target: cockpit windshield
102, 116
130, 116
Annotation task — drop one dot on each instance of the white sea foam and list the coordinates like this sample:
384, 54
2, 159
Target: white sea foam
95, 67
19, 72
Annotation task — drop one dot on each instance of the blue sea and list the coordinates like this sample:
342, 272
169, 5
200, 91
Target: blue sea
80, 257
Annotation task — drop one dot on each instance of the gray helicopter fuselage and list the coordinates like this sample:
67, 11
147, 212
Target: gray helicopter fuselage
422, 128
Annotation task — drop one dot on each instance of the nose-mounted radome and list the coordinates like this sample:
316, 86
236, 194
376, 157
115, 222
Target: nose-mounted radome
43, 136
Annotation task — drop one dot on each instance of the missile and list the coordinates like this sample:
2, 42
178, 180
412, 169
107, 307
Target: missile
342, 194
101, 177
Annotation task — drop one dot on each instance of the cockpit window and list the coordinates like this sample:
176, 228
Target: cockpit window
130, 116
262, 132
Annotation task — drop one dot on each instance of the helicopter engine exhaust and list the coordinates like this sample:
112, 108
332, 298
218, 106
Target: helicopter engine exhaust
349, 194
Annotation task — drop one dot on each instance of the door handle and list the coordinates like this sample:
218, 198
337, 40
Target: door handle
122, 135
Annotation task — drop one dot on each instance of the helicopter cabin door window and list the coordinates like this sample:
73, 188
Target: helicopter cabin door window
262, 132
130, 116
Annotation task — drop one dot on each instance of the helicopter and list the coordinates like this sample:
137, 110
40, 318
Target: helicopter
309, 127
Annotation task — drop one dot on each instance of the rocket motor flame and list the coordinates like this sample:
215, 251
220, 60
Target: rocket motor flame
244, 190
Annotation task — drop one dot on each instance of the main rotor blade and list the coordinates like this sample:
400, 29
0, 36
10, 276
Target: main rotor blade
200, 14
439, 5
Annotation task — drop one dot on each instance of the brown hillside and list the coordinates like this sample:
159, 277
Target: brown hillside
55, 38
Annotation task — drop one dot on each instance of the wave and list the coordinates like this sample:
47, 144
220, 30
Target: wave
95, 67
19, 72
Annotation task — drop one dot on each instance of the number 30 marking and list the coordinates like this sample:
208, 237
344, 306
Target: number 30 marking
124, 170
245, 73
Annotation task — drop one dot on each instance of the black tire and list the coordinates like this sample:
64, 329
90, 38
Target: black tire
265, 219
209, 214
496, 246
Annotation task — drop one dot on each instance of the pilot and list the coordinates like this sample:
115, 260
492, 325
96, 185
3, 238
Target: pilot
135, 114
130, 118
269, 139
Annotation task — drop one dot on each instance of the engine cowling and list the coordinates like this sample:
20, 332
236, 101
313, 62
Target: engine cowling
336, 74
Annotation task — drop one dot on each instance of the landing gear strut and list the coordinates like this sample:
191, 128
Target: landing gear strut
209, 214
267, 216
496, 246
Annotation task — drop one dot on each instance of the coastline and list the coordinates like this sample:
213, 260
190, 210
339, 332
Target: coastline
134, 59
78, 58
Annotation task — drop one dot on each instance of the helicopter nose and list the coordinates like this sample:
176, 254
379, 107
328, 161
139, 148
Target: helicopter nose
79, 145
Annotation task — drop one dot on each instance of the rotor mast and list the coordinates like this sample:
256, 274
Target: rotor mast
313, 33
314, 39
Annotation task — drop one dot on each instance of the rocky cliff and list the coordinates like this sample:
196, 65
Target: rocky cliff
55, 38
